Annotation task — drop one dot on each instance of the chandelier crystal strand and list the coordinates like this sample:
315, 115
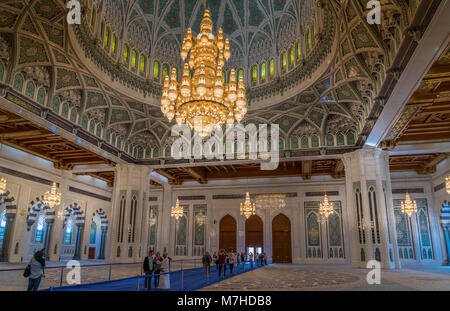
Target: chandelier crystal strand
408, 206
177, 211
248, 208
52, 198
326, 207
202, 100
447, 184
2, 186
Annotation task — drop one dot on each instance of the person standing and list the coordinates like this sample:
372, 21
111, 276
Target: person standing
157, 261
37, 265
231, 260
148, 270
165, 269
206, 260
238, 261
265, 258
222, 262
243, 261
250, 258
216, 261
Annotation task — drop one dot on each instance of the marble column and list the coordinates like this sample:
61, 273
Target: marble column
10, 215
79, 239
370, 208
102, 244
130, 194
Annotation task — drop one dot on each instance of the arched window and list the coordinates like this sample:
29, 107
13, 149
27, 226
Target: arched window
65, 110
41, 96
283, 60
271, 67
263, 71
93, 16
305, 142
93, 233
330, 140
299, 50
291, 56
224, 76
40, 225
240, 74
30, 89
156, 69
68, 232
125, 53
92, 127
98, 131
315, 141
106, 42
254, 74
308, 40
165, 71
133, 59
294, 142
350, 138
313, 32
18, 82
142, 63
113, 44
2, 225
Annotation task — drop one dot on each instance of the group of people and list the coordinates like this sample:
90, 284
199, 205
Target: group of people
157, 267
222, 259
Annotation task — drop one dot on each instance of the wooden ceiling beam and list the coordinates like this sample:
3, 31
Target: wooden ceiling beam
18, 134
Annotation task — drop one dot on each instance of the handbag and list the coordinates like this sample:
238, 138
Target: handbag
27, 271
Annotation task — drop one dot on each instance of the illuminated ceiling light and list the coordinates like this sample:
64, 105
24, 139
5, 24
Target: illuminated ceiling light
248, 208
408, 207
177, 211
326, 207
2, 186
202, 100
53, 197
447, 184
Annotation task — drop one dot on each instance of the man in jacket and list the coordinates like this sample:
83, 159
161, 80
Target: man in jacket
148, 270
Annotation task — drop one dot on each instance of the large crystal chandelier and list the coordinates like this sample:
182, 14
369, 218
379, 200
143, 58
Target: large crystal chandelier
408, 206
52, 197
248, 208
326, 207
447, 184
2, 186
177, 211
270, 202
202, 100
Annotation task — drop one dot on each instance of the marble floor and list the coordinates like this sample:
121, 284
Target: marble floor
335, 278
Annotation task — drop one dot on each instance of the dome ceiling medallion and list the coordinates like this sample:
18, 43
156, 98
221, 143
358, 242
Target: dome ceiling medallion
202, 100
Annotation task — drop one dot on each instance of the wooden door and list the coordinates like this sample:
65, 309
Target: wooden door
227, 237
91, 253
254, 236
281, 240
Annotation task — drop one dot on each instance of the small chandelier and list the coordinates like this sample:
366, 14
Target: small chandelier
248, 208
447, 184
326, 207
53, 197
408, 207
177, 210
202, 100
2, 186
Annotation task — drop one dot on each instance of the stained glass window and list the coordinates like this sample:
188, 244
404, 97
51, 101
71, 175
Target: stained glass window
133, 59
106, 37
299, 50
2, 225
93, 233
142, 63
263, 71
223, 77
125, 53
156, 69
165, 70
313, 32
308, 40
271, 67
291, 56
254, 74
113, 44
283, 60
240, 74
39, 236
68, 232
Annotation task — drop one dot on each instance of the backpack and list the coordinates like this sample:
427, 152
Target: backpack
27, 271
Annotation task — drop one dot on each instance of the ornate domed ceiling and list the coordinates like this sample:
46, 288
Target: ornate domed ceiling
323, 100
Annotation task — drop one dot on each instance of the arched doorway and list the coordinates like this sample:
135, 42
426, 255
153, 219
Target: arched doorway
254, 236
281, 240
227, 237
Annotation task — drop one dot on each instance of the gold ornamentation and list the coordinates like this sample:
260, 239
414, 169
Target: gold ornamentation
177, 211
52, 197
2, 186
447, 184
408, 207
326, 207
248, 208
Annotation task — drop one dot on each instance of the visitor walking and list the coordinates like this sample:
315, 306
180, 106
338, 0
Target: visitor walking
265, 258
238, 261
250, 258
157, 261
36, 270
231, 260
222, 263
148, 270
165, 269
216, 261
206, 260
